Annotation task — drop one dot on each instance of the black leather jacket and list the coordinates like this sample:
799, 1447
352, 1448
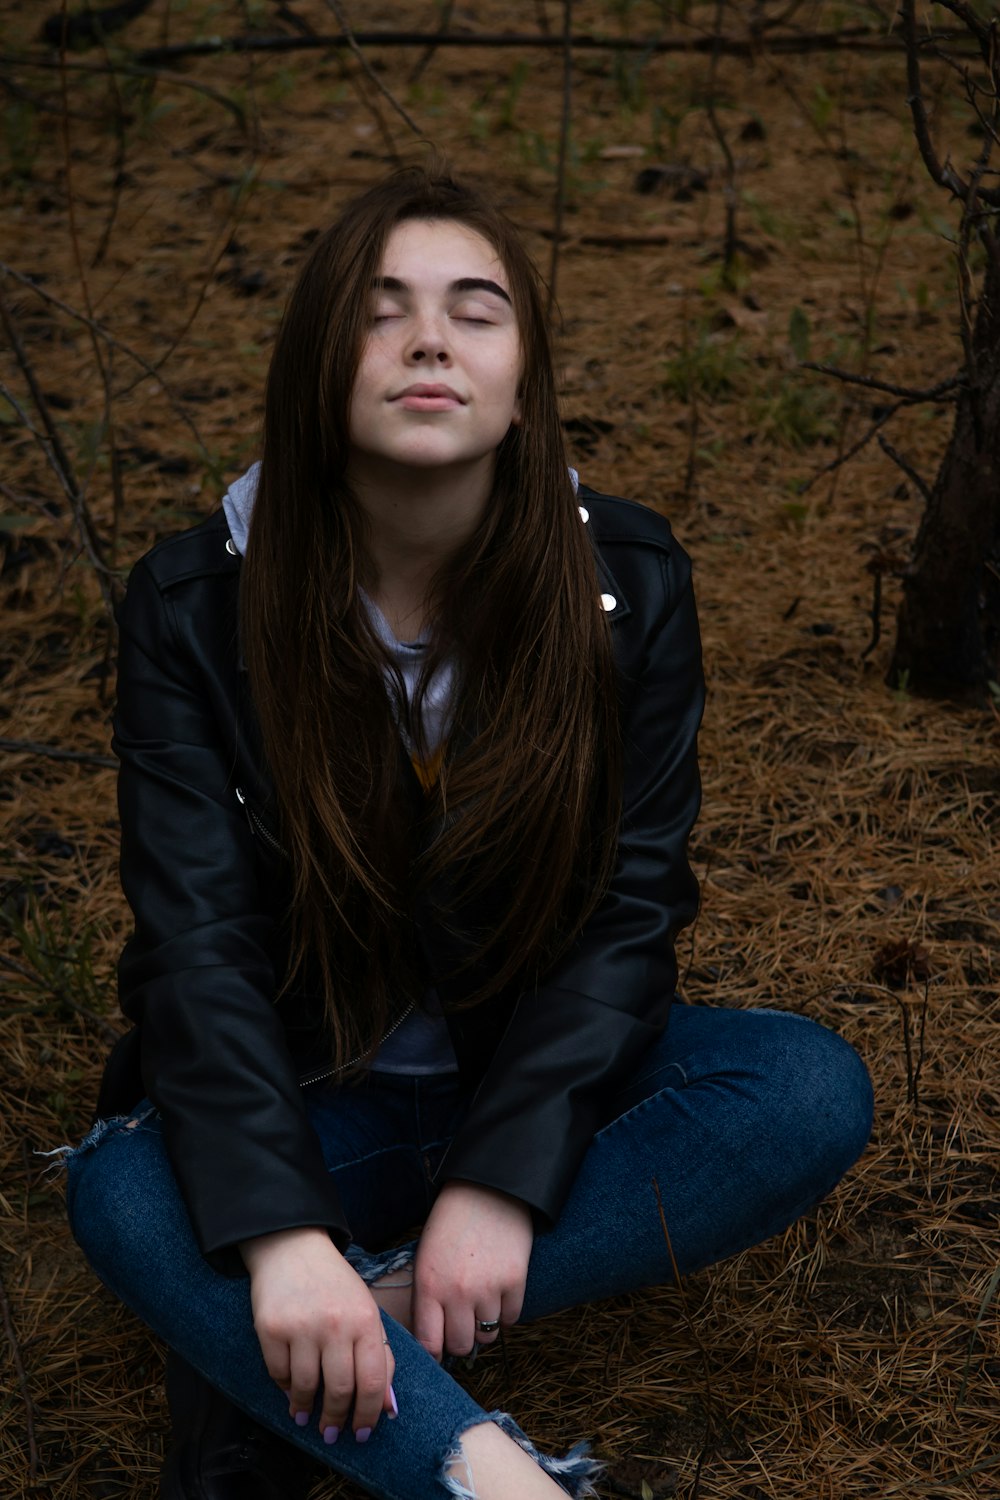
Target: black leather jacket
222, 1058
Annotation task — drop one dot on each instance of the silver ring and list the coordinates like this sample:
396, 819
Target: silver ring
488, 1327
384, 1339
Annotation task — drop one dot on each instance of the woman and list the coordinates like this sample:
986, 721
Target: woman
407, 740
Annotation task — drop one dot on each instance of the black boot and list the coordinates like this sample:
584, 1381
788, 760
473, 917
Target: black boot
219, 1453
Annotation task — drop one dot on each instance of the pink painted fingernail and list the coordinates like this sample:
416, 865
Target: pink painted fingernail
395, 1405
362, 1435
331, 1434
301, 1419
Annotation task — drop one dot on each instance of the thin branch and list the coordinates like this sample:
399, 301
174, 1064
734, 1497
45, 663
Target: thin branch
132, 70
8, 396
908, 394
729, 187
850, 38
876, 610
699, 1343
612, 241
39, 101
966, 14
854, 449
118, 497
22, 1380
564, 128
115, 343
425, 57
58, 459
56, 752
905, 465
229, 228
943, 173
365, 65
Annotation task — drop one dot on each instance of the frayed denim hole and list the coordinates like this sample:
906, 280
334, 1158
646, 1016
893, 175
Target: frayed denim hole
372, 1267
577, 1473
101, 1130
667, 1088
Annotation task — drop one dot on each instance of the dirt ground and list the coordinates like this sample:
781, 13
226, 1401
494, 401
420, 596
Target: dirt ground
847, 848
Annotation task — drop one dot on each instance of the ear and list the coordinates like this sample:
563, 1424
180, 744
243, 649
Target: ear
517, 413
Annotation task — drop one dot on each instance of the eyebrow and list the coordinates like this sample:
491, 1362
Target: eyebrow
463, 284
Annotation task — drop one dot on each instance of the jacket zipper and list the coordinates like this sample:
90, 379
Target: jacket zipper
257, 826
329, 1072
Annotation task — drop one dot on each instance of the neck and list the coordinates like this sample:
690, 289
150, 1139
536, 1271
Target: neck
418, 521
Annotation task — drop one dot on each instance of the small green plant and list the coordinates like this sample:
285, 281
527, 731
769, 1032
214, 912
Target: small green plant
799, 333
508, 104
57, 952
712, 366
795, 411
280, 86
628, 70
901, 687
665, 126
21, 136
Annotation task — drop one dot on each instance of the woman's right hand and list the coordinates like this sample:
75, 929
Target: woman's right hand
316, 1319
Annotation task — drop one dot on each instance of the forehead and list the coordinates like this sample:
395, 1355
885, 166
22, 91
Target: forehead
440, 250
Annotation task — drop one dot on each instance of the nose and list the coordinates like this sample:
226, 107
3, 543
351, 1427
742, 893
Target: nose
428, 342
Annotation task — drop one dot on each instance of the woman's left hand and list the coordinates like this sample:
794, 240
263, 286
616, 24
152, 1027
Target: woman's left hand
471, 1266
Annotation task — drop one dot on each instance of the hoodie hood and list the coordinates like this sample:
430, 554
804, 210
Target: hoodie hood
238, 501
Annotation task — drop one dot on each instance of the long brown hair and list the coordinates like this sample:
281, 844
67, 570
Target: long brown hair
524, 814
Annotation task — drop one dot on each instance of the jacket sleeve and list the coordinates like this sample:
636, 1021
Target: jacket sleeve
197, 975
572, 1043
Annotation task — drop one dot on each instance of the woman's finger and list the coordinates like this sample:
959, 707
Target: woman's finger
390, 1405
278, 1359
370, 1383
487, 1314
459, 1328
428, 1323
304, 1380
510, 1306
338, 1389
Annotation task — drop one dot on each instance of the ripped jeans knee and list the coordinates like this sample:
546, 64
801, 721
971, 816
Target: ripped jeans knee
577, 1473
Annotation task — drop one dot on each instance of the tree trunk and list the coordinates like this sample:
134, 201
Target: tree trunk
948, 627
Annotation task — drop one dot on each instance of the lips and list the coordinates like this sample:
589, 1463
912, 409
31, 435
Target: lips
422, 396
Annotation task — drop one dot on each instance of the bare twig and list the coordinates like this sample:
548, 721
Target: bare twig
56, 752
58, 458
115, 343
130, 70
9, 396
908, 394
729, 186
118, 497
699, 1343
22, 1380
854, 449
942, 173
847, 39
365, 65
876, 612
564, 128
906, 467
39, 101
639, 239
425, 57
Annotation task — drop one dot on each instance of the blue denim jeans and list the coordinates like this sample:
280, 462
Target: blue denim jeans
743, 1120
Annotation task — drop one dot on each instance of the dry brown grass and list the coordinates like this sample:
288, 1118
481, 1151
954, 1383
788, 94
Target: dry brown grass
848, 842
